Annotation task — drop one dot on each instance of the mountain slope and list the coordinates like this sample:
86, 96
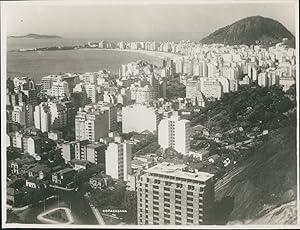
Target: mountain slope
248, 31
264, 189
261, 187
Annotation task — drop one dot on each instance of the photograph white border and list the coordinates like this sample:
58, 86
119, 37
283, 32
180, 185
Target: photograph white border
130, 2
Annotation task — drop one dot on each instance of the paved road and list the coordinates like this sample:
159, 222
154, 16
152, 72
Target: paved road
44, 219
97, 214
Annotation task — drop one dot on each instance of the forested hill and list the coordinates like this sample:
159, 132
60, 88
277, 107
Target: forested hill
261, 188
249, 31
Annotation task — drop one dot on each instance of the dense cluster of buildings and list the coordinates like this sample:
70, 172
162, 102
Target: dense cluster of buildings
98, 108
209, 71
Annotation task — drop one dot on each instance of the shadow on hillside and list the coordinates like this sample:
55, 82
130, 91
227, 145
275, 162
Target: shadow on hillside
222, 210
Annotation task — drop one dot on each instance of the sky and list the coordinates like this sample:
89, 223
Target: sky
120, 21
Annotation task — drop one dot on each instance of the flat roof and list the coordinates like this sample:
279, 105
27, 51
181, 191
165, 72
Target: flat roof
169, 169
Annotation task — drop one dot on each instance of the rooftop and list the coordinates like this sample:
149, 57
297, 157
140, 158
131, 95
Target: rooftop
168, 169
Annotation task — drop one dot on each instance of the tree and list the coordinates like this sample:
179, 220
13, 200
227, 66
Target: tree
13, 153
130, 204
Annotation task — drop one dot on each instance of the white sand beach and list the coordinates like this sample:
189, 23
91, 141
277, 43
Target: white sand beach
157, 54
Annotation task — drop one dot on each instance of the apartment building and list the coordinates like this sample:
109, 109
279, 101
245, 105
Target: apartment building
174, 132
148, 118
91, 124
118, 159
167, 194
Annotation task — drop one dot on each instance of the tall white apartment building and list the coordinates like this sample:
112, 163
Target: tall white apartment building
263, 79
91, 92
42, 117
58, 116
211, 88
59, 89
192, 87
143, 94
169, 195
179, 66
91, 124
23, 114
211, 70
50, 116
138, 118
174, 132
112, 113
118, 159
225, 84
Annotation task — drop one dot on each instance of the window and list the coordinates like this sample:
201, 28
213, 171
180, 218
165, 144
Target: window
167, 183
167, 189
190, 214
178, 213
178, 201
201, 189
190, 198
190, 221
167, 221
191, 187
155, 214
156, 181
177, 191
155, 187
155, 192
155, 197
166, 215
166, 194
189, 209
155, 207
190, 204
167, 205
148, 179
167, 200
189, 193
155, 202
177, 217
177, 196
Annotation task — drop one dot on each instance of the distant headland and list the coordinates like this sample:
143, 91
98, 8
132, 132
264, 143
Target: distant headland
35, 36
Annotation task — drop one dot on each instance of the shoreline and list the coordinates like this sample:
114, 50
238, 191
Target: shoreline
156, 54
152, 53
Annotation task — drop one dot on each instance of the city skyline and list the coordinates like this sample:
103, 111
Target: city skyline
139, 21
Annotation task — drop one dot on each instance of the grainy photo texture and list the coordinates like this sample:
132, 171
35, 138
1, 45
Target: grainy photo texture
149, 114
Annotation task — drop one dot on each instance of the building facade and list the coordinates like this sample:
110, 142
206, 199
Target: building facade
175, 133
118, 159
166, 194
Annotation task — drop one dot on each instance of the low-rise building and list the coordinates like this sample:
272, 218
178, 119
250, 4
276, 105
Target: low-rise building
100, 181
63, 177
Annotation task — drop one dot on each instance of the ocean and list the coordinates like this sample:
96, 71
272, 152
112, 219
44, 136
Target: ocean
35, 65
